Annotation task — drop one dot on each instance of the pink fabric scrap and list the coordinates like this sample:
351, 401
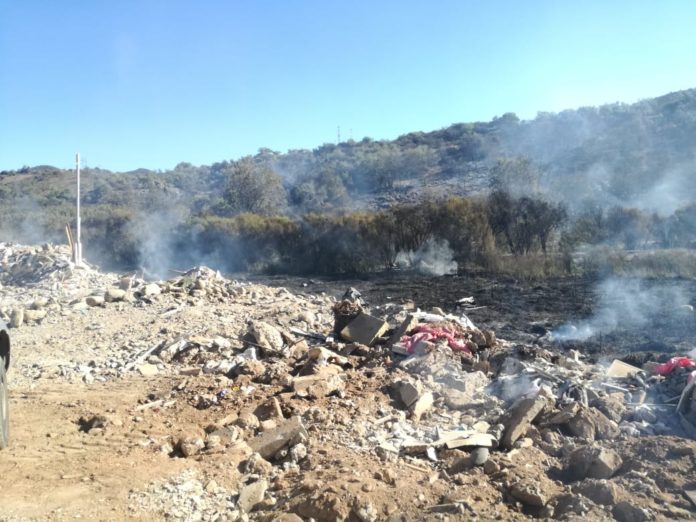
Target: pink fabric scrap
674, 362
426, 332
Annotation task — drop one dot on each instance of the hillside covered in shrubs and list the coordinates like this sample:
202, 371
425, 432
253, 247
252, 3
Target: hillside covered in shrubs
468, 195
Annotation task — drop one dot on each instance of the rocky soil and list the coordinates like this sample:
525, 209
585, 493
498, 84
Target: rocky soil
206, 398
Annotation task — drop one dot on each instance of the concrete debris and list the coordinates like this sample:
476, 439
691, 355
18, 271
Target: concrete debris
620, 369
529, 493
301, 393
406, 326
593, 462
148, 370
601, 491
521, 415
268, 443
113, 295
251, 495
628, 512
364, 329
265, 336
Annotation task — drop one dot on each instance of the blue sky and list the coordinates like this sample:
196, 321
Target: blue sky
150, 83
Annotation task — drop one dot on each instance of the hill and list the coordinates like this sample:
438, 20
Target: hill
638, 156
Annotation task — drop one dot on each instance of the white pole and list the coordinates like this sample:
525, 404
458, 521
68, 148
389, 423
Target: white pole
78, 242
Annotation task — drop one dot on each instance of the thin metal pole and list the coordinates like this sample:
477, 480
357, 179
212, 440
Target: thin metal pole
78, 243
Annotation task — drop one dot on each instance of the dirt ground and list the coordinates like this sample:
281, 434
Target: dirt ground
93, 438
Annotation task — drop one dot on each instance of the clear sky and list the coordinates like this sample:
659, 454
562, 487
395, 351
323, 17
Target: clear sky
150, 83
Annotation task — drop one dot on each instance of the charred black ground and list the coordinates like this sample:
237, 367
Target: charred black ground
524, 311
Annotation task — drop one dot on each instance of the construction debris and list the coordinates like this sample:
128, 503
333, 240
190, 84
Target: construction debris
325, 407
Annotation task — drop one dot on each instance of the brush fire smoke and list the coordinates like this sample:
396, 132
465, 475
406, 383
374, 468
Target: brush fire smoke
628, 304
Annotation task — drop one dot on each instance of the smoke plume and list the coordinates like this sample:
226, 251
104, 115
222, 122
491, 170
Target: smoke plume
434, 257
626, 304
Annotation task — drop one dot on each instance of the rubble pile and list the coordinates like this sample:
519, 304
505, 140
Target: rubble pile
22, 265
324, 408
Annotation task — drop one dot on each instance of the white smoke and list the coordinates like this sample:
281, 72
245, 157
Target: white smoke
154, 233
626, 304
434, 257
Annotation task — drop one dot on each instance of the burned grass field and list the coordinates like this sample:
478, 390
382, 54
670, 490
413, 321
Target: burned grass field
651, 314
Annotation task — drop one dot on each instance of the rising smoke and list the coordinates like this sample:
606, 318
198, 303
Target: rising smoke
154, 233
626, 304
434, 257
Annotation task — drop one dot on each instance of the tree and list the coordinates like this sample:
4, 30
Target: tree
517, 176
253, 188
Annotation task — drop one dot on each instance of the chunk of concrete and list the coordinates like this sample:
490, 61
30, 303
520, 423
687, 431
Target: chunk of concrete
406, 326
34, 315
151, 289
520, 417
483, 440
409, 392
423, 404
364, 329
619, 370
17, 318
529, 493
590, 424
600, 491
326, 381
627, 512
148, 370
251, 495
95, 300
265, 335
593, 462
113, 295
268, 443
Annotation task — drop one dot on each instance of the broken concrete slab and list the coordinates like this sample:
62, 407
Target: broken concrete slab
601, 491
529, 493
593, 462
483, 440
406, 326
265, 335
95, 300
34, 315
251, 495
620, 370
148, 370
113, 295
364, 329
409, 392
520, 417
268, 443
422, 405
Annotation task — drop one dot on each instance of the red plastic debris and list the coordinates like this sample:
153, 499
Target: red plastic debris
428, 333
674, 362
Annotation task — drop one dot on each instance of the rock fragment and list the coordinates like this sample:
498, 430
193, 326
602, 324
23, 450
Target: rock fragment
251, 495
593, 462
17, 318
265, 335
520, 417
113, 295
268, 443
95, 300
364, 329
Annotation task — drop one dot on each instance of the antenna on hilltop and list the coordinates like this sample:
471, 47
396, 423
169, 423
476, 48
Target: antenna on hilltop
78, 243
338, 138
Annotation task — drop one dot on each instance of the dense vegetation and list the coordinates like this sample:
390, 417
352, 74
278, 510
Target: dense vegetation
617, 175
